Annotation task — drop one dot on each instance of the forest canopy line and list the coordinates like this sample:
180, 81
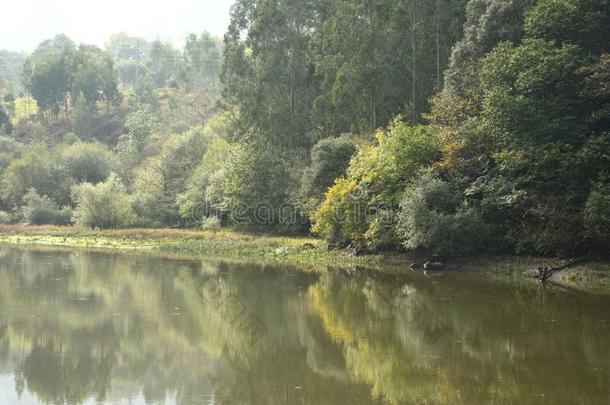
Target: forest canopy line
446, 126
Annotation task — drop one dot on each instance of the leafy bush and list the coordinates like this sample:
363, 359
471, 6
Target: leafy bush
105, 205
70, 139
149, 211
430, 218
212, 223
5, 218
329, 160
387, 166
597, 215
381, 232
132, 145
341, 217
203, 195
87, 162
36, 168
6, 126
257, 189
9, 150
361, 208
41, 210
164, 176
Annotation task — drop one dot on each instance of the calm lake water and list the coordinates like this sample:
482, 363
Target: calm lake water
86, 327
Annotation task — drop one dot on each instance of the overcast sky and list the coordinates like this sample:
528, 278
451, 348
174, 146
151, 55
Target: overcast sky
25, 23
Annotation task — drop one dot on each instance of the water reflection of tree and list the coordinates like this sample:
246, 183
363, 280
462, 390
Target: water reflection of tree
380, 347
113, 327
499, 346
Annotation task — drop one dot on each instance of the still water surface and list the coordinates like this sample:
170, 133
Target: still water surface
88, 327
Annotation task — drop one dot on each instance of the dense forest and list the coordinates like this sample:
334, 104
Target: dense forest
447, 126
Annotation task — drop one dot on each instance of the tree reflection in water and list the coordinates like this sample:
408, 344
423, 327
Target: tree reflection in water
78, 325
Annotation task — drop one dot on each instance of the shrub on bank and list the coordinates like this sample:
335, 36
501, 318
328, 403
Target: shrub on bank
597, 215
258, 190
105, 205
341, 217
212, 223
431, 218
41, 210
362, 207
329, 161
86, 162
203, 194
5, 218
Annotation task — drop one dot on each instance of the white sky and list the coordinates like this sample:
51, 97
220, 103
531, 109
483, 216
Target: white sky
25, 23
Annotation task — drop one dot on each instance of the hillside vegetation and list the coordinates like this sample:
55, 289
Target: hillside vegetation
450, 127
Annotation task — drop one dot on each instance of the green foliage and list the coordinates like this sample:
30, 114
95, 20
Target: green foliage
59, 43
105, 205
534, 85
212, 223
399, 153
179, 110
162, 63
431, 218
257, 189
145, 91
131, 146
534, 135
488, 22
10, 149
86, 80
36, 168
41, 210
9, 104
5, 218
11, 69
329, 160
58, 72
87, 162
203, 196
25, 107
139, 126
518, 141
52, 173
164, 176
50, 79
597, 214
582, 22
362, 207
381, 233
123, 46
342, 216
267, 74
6, 125
298, 72
70, 139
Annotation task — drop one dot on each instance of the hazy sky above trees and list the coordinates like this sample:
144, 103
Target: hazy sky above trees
27, 23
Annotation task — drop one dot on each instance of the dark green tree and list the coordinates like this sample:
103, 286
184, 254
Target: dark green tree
51, 80
268, 74
539, 138
6, 126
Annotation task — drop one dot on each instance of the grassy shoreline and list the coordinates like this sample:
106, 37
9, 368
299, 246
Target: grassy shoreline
307, 253
304, 251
